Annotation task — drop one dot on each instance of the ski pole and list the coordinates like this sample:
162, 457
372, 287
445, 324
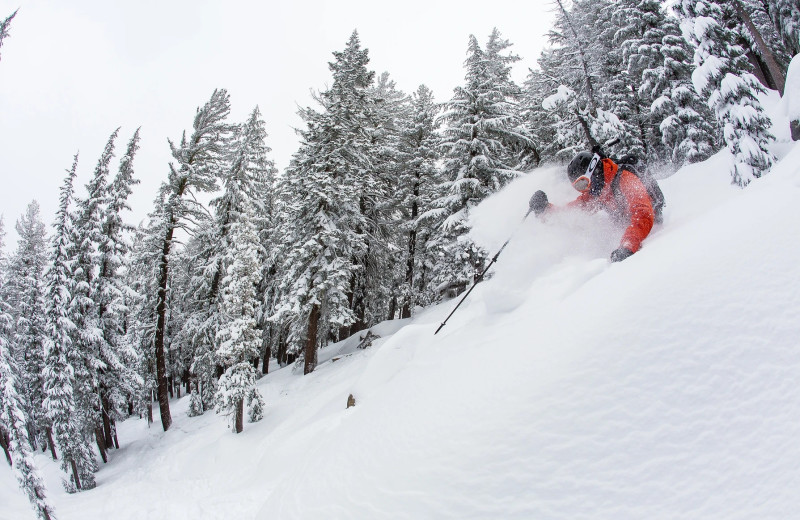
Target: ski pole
480, 276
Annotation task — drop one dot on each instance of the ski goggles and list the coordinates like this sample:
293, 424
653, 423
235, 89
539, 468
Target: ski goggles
582, 184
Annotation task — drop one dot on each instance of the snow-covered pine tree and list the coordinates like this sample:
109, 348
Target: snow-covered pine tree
209, 254
88, 341
141, 279
678, 125
329, 192
116, 379
25, 285
351, 105
198, 162
239, 339
59, 373
14, 421
722, 75
417, 185
480, 144
382, 267
785, 15
5, 25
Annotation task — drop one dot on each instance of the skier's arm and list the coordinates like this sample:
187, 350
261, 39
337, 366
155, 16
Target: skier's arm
640, 210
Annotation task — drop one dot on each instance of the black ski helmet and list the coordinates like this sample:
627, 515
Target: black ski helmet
578, 165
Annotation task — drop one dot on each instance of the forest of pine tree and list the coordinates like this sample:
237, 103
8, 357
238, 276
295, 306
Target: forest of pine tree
100, 321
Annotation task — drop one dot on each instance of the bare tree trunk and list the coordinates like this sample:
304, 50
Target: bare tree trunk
101, 443
106, 420
114, 433
311, 341
4, 444
150, 411
32, 436
75, 474
769, 58
161, 322
239, 420
51, 442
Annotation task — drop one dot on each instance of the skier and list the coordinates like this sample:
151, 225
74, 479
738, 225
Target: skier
617, 190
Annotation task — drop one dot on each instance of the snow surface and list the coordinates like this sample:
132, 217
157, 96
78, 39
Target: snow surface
791, 89
665, 386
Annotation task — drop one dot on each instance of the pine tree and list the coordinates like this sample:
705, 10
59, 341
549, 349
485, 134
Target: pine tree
722, 76
675, 121
115, 379
14, 419
25, 288
239, 339
481, 138
330, 193
417, 185
5, 25
785, 15
199, 160
248, 183
89, 345
59, 372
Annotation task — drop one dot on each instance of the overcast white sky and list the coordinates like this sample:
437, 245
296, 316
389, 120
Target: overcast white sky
73, 71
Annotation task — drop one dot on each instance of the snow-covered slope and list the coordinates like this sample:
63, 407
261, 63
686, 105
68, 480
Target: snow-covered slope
664, 386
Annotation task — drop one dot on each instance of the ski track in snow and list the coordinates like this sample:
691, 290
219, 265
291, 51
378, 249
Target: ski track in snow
564, 388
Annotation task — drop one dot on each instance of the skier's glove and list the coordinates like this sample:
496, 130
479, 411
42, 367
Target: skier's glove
539, 202
620, 254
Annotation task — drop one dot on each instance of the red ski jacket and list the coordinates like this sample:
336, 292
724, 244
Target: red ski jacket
631, 205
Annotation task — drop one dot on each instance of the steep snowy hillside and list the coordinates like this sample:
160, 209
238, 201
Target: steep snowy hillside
664, 386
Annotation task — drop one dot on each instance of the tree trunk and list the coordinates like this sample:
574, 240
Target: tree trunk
114, 433
267, 353
149, 413
766, 54
101, 443
311, 341
794, 126
4, 444
106, 421
51, 442
76, 477
161, 323
239, 420
281, 355
32, 436
405, 312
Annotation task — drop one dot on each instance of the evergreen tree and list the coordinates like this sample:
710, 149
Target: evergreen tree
325, 238
785, 15
674, 120
88, 341
5, 25
116, 381
209, 254
25, 287
14, 419
481, 138
417, 185
59, 372
722, 76
198, 162
238, 339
